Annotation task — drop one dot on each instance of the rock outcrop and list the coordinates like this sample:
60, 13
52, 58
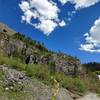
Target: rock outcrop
30, 51
4, 28
14, 80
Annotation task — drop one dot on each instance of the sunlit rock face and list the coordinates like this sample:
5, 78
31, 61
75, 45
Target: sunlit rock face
66, 64
35, 53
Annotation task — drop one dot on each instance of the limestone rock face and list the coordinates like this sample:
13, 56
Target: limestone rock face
15, 45
66, 64
33, 54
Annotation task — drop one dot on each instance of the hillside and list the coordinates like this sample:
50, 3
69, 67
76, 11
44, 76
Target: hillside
28, 70
6, 29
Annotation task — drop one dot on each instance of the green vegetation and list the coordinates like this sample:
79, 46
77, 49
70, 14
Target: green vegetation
30, 42
43, 74
24, 39
12, 62
93, 66
70, 83
13, 95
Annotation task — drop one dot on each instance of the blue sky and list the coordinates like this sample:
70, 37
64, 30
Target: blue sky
69, 24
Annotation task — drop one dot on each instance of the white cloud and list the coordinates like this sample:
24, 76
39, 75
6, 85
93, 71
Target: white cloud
27, 16
47, 26
71, 13
85, 3
80, 3
92, 39
45, 11
24, 6
64, 1
62, 23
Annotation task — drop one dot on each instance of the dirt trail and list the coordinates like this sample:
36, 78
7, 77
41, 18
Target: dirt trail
90, 96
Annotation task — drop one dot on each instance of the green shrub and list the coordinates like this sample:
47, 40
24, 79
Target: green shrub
44, 73
52, 67
39, 71
70, 83
12, 62
30, 42
98, 91
79, 85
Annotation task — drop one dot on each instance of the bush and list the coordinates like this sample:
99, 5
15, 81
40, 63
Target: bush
70, 83
44, 73
12, 62
30, 42
79, 85
52, 67
38, 71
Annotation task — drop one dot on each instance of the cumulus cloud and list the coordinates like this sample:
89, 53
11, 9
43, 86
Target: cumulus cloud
92, 39
80, 3
62, 23
64, 1
45, 11
47, 26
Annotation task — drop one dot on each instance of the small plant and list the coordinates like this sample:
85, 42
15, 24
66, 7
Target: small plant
80, 87
12, 62
53, 98
55, 88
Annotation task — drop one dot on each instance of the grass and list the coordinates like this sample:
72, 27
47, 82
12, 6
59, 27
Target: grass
43, 74
16, 93
13, 95
12, 62
70, 83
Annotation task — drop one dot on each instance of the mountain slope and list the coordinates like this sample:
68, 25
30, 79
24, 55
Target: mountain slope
17, 86
32, 52
6, 29
49, 74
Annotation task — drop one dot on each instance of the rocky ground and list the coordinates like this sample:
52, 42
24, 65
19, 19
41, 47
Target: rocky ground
16, 81
16, 51
90, 96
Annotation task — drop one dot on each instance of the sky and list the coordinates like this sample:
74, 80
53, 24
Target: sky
68, 26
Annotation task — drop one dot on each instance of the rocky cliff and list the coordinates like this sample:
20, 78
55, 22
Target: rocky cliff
28, 70
30, 51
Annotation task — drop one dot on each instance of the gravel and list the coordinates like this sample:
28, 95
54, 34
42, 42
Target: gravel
90, 96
